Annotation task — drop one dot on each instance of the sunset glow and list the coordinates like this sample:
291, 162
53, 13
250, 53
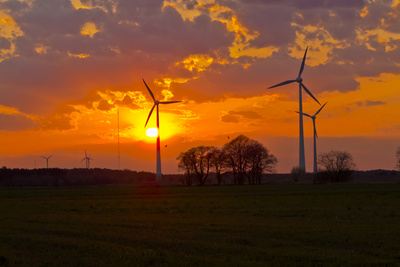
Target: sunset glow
152, 132
68, 69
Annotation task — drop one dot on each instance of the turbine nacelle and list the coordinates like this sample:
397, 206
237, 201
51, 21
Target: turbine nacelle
299, 79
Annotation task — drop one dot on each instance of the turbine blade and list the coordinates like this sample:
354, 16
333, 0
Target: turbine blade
83, 159
151, 111
305, 114
302, 63
320, 109
51, 155
151, 93
43, 157
282, 83
169, 102
308, 92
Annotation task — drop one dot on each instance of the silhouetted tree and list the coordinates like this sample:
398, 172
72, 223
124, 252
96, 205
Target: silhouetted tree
260, 161
338, 166
185, 164
249, 159
197, 161
218, 159
297, 173
236, 157
398, 158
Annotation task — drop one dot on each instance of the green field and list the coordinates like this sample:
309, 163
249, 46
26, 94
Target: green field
268, 225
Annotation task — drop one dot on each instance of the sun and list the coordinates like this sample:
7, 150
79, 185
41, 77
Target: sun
152, 132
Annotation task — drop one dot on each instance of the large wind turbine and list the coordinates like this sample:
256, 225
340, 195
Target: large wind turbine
313, 117
47, 160
87, 160
302, 163
156, 103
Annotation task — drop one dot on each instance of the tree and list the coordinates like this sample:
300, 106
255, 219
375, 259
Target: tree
196, 162
297, 173
398, 158
236, 157
338, 165
218, 159
249, 159
185, 164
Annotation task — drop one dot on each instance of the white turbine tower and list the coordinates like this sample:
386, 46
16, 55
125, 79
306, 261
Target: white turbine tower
47, 160
87, 160
313, 117
156, 103
302, 163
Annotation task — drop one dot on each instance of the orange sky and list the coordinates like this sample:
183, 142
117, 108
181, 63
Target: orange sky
67, 68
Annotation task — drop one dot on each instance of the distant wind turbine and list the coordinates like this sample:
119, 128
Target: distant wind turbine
313, 117
302, 163
156, 103
87, 160
47, 160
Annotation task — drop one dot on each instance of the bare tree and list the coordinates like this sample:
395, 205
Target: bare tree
338, 165
185, 164
248, 159
398, 158
260, 161
218, 159
196, 162
236, 157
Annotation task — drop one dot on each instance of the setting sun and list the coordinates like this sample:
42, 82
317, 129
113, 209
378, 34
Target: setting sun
152, 132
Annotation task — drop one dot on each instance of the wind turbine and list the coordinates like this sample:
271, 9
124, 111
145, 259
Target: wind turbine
313, 117
87, 159
156, 103
299, 80
47, 160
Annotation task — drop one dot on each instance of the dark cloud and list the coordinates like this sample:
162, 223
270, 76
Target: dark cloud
230, 118
16, 122
144, 38
234, 116
5, 43
105, 106
127, 101
246, 114
369, 103
141, 38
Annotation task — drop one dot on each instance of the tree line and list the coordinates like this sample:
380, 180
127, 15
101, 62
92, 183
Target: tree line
56, 177
246, 159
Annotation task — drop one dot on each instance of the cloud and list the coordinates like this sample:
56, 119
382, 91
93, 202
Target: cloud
127, 101
230, 118
16, 122
104, 105
237, 116
138, 39
369, 103
246, 114
5, 43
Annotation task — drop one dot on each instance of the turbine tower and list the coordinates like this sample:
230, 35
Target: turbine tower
47, 160
313, 117
87, 160
156, 103
299, 80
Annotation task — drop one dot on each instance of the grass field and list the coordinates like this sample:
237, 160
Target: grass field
268, 225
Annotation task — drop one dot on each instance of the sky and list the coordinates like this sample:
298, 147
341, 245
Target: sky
68, 67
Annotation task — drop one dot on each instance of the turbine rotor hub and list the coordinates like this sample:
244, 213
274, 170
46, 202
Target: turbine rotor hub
299, 79
156, 102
